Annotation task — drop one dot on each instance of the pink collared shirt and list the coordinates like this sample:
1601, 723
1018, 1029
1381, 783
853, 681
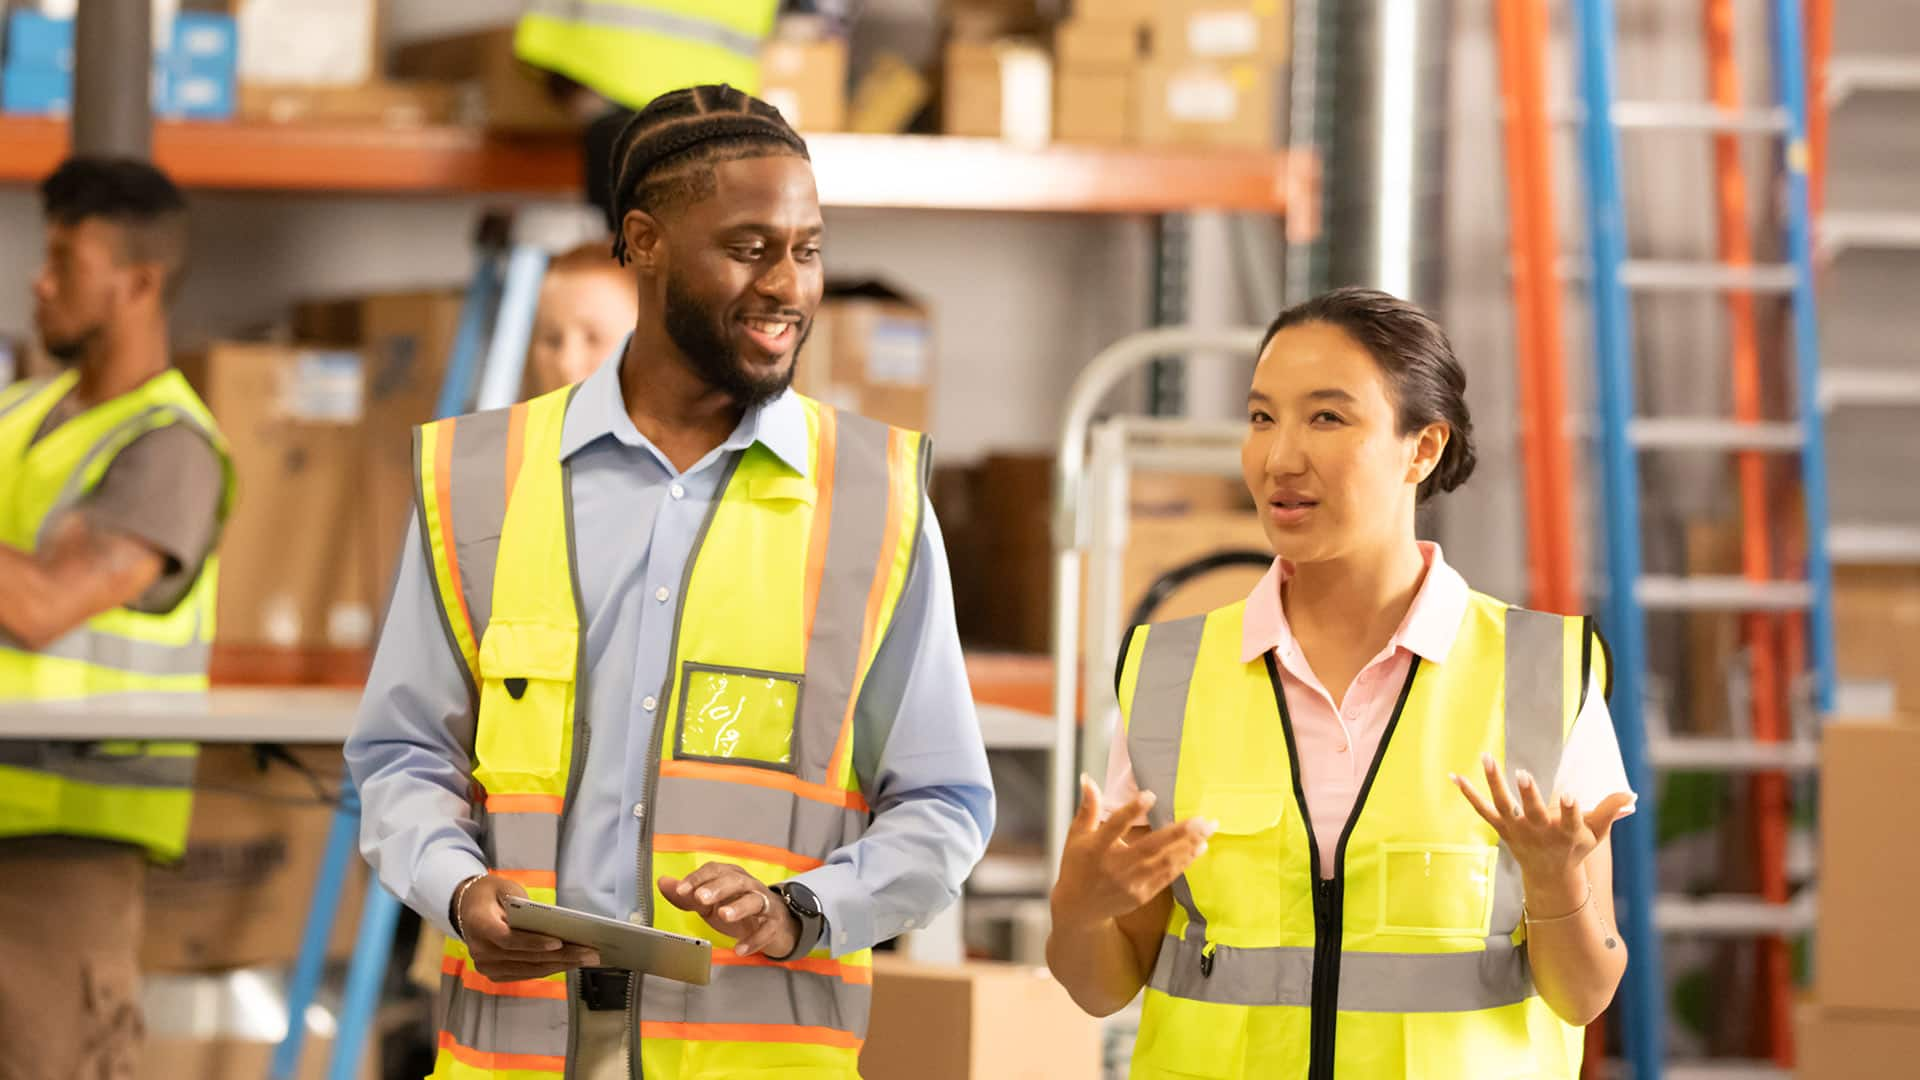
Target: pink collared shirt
1336, 743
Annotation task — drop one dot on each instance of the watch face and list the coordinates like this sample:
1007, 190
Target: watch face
802, 901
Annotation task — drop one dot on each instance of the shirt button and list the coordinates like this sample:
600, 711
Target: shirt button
677, 491
909, 924
639, 810
662, 593
649, 703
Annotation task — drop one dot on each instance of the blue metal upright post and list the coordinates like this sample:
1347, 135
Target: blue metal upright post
1790, 89
338, 855
372, 951
1633, 839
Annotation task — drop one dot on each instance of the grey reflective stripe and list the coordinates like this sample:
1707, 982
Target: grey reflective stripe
519, 841
477, 489
12, 397
127, 654
1369, 981
85, 763
755, 815
856, 529
1155, 720
757, 994
1534, 707
648, 20
503, 1025
1158, 713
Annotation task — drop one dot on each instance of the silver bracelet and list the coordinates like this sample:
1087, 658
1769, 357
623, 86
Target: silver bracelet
1558, 918
460, 895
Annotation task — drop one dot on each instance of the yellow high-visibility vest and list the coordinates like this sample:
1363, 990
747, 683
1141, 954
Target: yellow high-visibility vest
632, 51
1412, 960
137, 792
791, 588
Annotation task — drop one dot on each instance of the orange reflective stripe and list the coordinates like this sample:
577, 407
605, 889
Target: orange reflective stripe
553, 988
516, 445
854, 974
532, 879
767, 778
777, 1033
524, 804
825, 446
480, 1059
682, 843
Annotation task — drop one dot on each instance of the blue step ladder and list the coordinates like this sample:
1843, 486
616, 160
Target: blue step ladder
1645, 914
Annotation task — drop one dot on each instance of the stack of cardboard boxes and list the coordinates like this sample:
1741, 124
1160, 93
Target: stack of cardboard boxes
870, 352
318, 62
997, 77
1097, 55
1217, 76
1864, 1023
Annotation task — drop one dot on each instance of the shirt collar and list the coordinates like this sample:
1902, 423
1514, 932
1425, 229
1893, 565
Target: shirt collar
598, 410
1428, 631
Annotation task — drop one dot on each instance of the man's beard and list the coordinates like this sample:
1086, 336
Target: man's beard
69, 352
703, 340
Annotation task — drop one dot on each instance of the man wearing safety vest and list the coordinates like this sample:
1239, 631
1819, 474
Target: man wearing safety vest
113, 485
675, 645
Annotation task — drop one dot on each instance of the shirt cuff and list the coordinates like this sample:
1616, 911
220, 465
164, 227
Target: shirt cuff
847, 905
433, 886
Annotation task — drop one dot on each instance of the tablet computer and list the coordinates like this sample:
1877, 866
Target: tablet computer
620, 944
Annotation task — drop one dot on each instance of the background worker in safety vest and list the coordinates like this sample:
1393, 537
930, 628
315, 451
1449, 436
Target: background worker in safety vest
113, 485
676, 645
1311, 856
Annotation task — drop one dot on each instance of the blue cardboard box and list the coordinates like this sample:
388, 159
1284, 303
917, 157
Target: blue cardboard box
35, 90
36, 39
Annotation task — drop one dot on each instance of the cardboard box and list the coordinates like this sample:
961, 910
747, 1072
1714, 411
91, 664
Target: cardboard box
976, 1021
507, 93
179, 1057
807, 82
239, 896
871, 351
1135, 11
1093, 105
407, 338
291, 415
1855, 1044
1221, 30
392, 104
308, 42
1098, 43
995, 517
983, 21
1204, 103
1867, 954
1001, 89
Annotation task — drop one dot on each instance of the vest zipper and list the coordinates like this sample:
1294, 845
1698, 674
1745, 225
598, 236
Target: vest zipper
1329, 894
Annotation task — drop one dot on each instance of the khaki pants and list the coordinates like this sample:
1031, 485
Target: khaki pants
71, 916
603, 1044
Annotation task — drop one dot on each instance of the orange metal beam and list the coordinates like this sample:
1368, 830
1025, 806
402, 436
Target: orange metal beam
1769, 794
1552, 561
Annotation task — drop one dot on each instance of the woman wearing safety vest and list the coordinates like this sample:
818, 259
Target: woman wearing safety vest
1357, 824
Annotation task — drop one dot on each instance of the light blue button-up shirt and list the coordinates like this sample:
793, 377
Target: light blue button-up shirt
917, 744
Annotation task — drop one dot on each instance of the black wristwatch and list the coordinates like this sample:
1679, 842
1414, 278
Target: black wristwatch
806, 910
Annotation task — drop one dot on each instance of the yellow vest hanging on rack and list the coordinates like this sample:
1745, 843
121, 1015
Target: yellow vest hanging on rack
632, 51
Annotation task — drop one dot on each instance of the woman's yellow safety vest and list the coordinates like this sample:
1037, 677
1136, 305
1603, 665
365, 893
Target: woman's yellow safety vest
632, 51
1411, 960
137, 792
789, 591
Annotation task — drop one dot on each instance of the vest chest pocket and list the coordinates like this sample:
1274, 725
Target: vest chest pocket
738, 716
526, 706
1233, 882
1437, 890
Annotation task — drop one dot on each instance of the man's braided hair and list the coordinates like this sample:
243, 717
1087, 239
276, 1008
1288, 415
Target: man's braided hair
664, 157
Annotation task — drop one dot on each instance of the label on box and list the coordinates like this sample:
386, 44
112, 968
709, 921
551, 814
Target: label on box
349, 626
1864, 698
324, 387
897, 352
1223, 33
1201, 99
280, 621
